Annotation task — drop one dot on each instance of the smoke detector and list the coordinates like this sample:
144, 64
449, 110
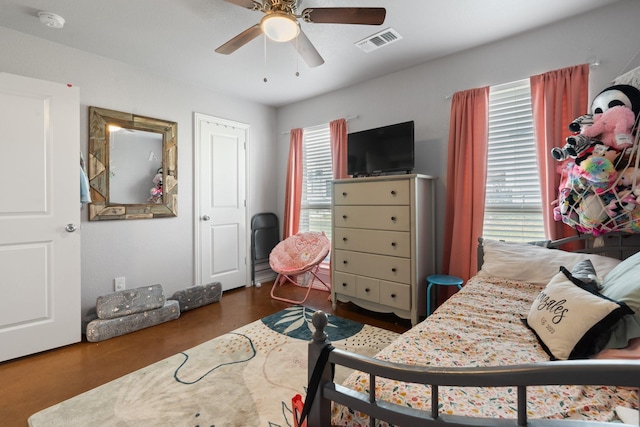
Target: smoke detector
51, 20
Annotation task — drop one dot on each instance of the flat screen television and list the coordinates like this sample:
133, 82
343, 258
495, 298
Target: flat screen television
381, 150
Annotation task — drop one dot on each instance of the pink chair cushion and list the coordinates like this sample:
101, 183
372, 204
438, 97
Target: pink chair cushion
298, 253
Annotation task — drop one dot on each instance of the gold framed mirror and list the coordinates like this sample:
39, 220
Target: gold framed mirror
132, 166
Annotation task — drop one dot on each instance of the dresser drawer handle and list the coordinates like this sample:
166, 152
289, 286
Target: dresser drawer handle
344, 217
344, 239
344, 285
345, 261
344, 194
393, 218
393, 295
366, 289
393, 192
393, 244
394, 270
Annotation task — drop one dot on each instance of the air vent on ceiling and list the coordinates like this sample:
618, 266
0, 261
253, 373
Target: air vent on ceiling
378, 40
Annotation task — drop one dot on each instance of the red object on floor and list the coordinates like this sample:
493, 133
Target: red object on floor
297, 404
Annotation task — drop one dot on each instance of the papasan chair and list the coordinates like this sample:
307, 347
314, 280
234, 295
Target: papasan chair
296, 255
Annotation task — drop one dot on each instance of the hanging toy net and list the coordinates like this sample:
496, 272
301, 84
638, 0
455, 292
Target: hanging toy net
599, 191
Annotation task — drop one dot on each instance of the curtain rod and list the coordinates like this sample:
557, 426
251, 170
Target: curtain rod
346, 118
593, 63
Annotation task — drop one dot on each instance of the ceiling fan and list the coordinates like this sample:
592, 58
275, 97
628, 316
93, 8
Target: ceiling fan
280, 24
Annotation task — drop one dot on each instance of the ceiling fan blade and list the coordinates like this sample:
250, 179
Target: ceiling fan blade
240, 40
249, 4
345, 15
306, 50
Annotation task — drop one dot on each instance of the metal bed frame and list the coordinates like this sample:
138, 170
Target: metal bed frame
600, 372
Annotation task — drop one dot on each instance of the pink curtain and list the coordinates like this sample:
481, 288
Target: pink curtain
557, 97
338, 136
293, 196
466, 180
338, 129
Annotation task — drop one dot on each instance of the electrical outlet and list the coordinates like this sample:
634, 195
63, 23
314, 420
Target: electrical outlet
118, 284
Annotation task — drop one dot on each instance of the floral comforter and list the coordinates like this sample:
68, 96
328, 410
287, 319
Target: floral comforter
481, 326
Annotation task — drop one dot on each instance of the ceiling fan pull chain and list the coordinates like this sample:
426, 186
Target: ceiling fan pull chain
297, 58
265, 58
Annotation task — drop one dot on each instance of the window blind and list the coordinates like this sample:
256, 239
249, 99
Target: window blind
513, 204
315, 210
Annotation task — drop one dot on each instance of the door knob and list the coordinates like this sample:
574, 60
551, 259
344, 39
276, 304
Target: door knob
71, 228
206, 217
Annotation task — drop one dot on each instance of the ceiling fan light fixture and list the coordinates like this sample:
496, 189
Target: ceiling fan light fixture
280, 27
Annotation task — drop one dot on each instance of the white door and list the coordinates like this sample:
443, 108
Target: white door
221, 188
39, 216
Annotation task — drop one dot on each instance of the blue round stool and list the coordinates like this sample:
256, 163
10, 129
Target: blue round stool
440, 280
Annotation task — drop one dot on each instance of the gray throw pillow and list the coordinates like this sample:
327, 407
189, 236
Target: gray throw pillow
586, 273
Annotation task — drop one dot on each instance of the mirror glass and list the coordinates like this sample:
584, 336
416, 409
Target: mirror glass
132, 166
135, 160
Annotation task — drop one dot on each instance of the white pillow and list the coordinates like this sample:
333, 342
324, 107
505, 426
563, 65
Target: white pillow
534, 264
571, 322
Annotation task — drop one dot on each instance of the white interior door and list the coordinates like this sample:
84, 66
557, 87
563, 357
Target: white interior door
39, 215
222, 242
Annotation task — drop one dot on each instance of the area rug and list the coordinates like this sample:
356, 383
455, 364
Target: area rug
244, 378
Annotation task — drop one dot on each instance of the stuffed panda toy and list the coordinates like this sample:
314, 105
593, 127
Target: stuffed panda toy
625, 95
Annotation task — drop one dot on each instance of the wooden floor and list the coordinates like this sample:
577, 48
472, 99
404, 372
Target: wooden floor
33, 383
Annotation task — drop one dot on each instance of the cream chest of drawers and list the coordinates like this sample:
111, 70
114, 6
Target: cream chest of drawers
383, 243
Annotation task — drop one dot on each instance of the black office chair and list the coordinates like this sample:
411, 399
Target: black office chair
265, 235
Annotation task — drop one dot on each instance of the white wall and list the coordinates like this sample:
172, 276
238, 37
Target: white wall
144, 251
609, 34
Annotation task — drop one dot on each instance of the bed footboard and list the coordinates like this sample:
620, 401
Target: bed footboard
582, 372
